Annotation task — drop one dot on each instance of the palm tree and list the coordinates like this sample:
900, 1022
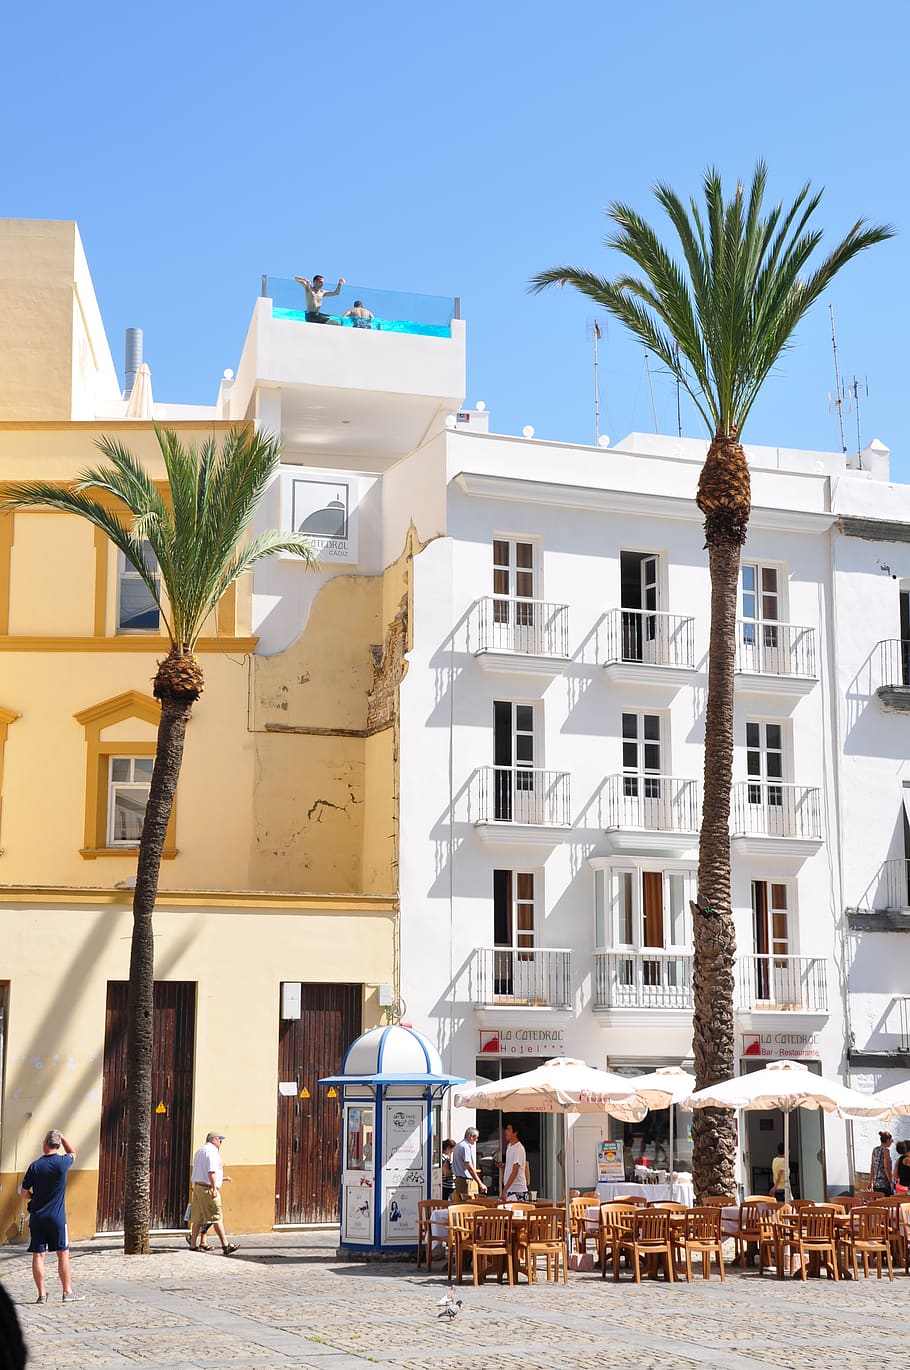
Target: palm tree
718, 319
199, 539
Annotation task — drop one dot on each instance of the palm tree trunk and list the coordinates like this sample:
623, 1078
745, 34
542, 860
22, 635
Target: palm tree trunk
175, 715
713, 936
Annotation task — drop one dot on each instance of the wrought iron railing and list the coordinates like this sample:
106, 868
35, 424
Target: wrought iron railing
518, 794
890, 889
534, 976
527, 626
661, 802
643, 978
654, 639
771, 808
796, 984
893, 662
775, 649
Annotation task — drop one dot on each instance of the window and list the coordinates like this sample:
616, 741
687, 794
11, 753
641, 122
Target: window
765, 763
128, 792
513, 759
639, 602
137, 611
641, 755
642, 908
513, 909
513, 594
905, 636
762, 647
771, 931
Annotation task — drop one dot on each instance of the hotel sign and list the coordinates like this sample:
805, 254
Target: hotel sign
788, 1046
323, 508
520, 1041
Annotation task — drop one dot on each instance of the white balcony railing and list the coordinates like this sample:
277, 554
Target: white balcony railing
779, 649
890, 889
662, 803
893, 662
796, 984
517, 794
654, 639
643, 978
528, 627
533, 976
771, 808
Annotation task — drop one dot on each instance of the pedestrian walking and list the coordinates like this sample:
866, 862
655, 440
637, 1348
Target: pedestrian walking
45, 1184
205, 1205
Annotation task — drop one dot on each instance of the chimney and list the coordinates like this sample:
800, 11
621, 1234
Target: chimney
133, 359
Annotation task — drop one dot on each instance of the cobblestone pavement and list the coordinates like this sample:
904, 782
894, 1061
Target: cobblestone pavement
285, 1300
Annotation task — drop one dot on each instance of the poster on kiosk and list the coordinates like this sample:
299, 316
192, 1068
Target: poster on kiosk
404, 1132
358, 1177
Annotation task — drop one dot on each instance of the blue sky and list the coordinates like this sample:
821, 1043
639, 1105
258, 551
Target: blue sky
457, 149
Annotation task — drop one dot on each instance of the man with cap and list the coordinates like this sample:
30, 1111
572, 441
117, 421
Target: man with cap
45, 1184
205, 1202
464, 1164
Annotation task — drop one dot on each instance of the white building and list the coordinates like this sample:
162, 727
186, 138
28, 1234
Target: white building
551, 724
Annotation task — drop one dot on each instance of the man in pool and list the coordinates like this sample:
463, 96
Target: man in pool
315, 293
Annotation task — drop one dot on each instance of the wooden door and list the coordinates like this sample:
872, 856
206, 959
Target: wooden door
172, 1086
308, 1153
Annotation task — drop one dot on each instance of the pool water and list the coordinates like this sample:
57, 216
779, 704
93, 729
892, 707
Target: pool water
423, 330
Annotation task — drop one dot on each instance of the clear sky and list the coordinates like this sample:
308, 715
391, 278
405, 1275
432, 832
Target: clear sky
456, 149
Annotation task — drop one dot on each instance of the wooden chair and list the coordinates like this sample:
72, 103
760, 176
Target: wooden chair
542, 1234
748, 1233
424, 1236
461, 1225
648, 1234
490, 1239
772, 1247
893, 1205
868, 1235
697, 1232
717, 1201
670, 1206
810, 1232
577, 1220
615, 1219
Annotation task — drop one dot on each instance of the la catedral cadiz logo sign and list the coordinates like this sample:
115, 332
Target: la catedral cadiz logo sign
322, 506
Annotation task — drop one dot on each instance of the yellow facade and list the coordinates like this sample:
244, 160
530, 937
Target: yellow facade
281, 862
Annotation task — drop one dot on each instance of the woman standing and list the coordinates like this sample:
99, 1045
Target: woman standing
902, 1167
880, 1165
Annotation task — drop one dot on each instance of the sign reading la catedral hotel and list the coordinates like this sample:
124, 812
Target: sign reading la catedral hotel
519, 1041
322, 505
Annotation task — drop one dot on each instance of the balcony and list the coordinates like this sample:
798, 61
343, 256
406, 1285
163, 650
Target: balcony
530, 978
648, 648
520, 804
893, 658
770, 818
885, 905
523, 635
651, 815
781, 984
645, 978
775, 658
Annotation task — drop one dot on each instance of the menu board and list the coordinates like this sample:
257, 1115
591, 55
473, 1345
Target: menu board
610, 1165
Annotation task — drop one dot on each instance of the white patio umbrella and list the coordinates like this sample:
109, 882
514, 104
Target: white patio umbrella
559, 1086
140, 404
787, 1085
896, 1099
664, 1088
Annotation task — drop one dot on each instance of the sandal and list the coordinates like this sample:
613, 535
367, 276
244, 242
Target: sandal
229, 1249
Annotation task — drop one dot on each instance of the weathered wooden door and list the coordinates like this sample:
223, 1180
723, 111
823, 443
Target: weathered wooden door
172, 1087
308, 1158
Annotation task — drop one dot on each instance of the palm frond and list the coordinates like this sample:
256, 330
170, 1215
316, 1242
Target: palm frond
734, 298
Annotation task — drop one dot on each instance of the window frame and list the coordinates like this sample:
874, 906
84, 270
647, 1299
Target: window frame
127, 572
115, 787
610, 909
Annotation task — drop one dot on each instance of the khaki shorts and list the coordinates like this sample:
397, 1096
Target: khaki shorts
464, 1187
204, 1208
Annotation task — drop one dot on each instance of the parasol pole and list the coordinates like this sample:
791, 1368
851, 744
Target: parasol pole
565, 1192
787, 1192
671, 1150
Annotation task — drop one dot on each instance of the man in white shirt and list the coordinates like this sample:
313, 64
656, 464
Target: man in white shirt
464, 1164
514, 1171
205, 1203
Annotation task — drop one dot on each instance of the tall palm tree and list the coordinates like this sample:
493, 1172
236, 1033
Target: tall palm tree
718, 319
198, 532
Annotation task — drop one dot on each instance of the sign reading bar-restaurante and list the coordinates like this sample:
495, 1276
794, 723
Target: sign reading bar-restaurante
520, 1041
786, 1045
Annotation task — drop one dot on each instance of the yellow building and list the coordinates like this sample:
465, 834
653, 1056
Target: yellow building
276, 927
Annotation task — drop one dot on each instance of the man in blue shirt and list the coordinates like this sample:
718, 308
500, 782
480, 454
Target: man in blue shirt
45, 1184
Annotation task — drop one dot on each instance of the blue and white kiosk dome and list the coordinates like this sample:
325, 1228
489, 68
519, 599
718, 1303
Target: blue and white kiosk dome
389, 1082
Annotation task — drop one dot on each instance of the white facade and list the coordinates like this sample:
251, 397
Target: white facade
552, 726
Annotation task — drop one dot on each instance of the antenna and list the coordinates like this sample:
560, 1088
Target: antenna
678, 392
856, 388
651, 391
837, 402
596, 333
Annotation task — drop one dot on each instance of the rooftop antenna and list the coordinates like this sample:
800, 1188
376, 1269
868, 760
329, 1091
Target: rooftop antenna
836, 401
651, 391
678, 391
596, 333
856, 388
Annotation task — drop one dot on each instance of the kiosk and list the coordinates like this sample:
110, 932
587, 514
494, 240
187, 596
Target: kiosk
390, 1078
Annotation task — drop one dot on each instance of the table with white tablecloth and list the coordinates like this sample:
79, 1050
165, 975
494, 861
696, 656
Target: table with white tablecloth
680, 1192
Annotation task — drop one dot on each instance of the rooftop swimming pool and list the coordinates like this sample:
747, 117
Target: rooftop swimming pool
390, 311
